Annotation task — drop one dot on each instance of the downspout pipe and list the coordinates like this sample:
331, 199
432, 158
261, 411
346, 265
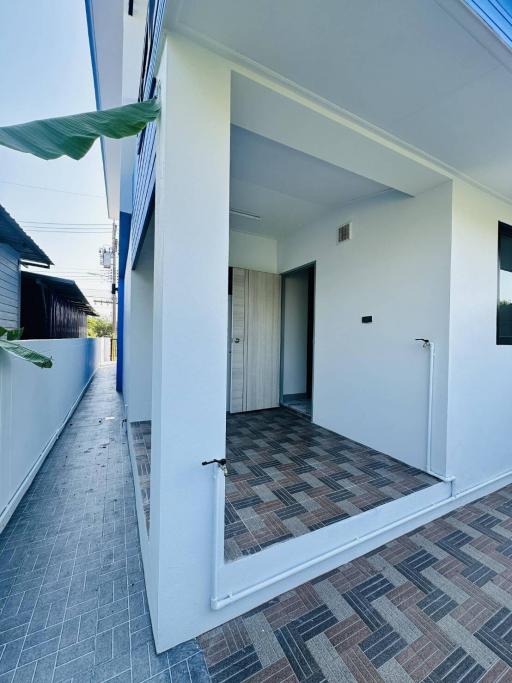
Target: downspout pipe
430, 345
427, 344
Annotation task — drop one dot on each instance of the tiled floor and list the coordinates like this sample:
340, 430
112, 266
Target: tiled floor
141, 443
72, 599
433, 606
287, 476
304, 406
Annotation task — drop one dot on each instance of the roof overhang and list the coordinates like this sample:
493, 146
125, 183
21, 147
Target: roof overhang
105, 29
65, 289
431, 76
15, 237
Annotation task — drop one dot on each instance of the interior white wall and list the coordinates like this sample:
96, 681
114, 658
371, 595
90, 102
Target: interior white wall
253, 252
371, 380
139, 351
295, 332
480, 409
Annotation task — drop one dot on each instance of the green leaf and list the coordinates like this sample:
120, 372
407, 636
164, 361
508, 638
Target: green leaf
26, 354
13, 335
3, 331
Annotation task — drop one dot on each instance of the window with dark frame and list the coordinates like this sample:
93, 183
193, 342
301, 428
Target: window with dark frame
504, 322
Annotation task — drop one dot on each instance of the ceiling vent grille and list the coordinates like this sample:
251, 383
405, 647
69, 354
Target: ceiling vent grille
344, 233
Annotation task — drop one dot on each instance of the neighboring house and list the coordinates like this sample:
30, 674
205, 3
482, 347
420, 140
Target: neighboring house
52, 307
328, 186
16, 248
46, 307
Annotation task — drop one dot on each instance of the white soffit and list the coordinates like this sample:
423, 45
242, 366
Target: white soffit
258, 160
107, 27
286, 188
426, 71
272, 115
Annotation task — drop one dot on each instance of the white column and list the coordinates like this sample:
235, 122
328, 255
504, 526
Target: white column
190, 328
139, 321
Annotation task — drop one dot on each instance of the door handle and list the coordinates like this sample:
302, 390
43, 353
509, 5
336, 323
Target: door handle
236, 340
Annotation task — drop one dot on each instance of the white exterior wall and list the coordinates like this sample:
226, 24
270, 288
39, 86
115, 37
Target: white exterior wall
35, 404
127, 332
138, 351
371, 380
480, 406
295, 333
189, 347
253, 252
9, 287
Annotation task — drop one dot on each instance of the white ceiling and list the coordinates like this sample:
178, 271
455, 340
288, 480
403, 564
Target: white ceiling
427, 71
285, 187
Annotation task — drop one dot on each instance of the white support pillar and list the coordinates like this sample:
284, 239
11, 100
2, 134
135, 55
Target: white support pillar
190, 328
138, 324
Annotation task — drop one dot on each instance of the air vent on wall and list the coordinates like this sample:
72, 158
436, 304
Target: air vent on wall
344, 232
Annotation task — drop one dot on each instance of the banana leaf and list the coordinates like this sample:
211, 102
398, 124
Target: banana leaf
9, 343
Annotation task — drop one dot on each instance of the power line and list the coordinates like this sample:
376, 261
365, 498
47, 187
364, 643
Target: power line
52, 189
70, 232
52, 223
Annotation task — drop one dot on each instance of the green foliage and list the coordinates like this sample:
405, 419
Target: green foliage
9, 342
99, 327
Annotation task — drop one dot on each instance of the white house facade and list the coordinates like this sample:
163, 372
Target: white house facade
315, 260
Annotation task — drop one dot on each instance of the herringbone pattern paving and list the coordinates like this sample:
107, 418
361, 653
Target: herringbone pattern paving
434, 606
141, 443
72, 598
288, 476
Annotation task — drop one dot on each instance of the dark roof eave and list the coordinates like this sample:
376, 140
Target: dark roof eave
67, 289
15, 237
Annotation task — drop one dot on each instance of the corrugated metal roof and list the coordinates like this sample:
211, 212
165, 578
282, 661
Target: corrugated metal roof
13, 235
67, 289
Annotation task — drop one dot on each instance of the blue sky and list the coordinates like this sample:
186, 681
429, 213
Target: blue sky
46, 71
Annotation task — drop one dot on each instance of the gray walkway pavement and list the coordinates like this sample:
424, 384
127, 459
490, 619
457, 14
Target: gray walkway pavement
72, 599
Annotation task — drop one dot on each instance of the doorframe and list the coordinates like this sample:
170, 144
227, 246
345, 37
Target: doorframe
306, 266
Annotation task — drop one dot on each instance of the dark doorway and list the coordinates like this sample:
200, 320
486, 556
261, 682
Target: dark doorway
297, 340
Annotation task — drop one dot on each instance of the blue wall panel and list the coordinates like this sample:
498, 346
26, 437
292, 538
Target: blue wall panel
497, 14
144, 175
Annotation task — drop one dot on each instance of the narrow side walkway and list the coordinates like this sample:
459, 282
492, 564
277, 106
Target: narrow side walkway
72, 598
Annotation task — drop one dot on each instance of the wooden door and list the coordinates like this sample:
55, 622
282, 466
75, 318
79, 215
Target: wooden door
255, 340
238, 306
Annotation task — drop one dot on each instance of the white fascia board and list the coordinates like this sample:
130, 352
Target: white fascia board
105, 27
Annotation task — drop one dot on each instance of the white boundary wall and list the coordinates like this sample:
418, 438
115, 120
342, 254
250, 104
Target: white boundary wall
35, 405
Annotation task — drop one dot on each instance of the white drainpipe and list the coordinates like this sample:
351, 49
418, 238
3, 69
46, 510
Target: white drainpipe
427, 344
430, 345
